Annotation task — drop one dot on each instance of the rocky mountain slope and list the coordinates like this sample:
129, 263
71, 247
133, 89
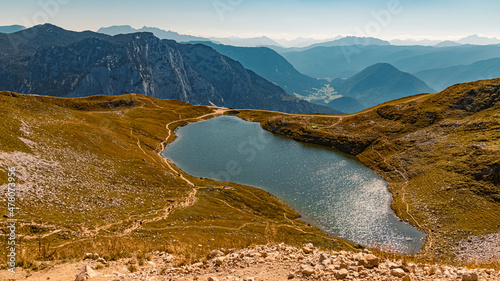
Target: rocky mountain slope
377, 84
439, 152
52, 61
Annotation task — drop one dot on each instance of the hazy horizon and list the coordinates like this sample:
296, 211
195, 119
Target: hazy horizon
279, 19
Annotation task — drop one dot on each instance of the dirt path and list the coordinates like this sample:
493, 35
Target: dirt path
218, 112
191, 198
405, 178
159, 214
429, 239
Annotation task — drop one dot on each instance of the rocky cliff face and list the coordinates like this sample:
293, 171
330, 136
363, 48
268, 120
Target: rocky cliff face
48, 60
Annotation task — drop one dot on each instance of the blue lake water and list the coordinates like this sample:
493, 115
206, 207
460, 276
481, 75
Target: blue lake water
330, 190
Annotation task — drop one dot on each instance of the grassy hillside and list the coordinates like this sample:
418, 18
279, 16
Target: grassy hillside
89, 167
439, 152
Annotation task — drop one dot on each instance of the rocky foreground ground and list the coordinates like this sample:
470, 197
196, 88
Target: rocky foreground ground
279, 262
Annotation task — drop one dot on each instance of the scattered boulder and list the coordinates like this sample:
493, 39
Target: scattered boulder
219, 261
430, 270
217, 253
369, 261
307, 270
341, 274
393, 265
307, 250
398, 272
286, 262
322, 257
469, 276
85, 273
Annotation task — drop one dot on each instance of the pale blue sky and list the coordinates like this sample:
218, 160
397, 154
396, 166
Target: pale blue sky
442, 19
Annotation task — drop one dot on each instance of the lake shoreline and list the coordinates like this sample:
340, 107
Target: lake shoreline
303, 214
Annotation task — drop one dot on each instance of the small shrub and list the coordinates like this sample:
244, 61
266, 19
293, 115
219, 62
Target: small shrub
132, 268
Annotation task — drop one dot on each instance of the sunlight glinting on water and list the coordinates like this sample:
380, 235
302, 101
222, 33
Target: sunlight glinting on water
335, 193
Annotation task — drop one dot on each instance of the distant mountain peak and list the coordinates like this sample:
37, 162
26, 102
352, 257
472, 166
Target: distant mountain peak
353, 40
376, 84
11, 28
447, 43
350, 41
47, 27
479, 40
381, 66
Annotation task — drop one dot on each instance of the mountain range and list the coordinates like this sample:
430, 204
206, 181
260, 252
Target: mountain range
343, 57
49, 60
442, 78
296, 70
345, 61
285, 45
471, 40
413, 42
478, 40
352, 40
272, 66
337, 41
374, 85
160, 33
171, 35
